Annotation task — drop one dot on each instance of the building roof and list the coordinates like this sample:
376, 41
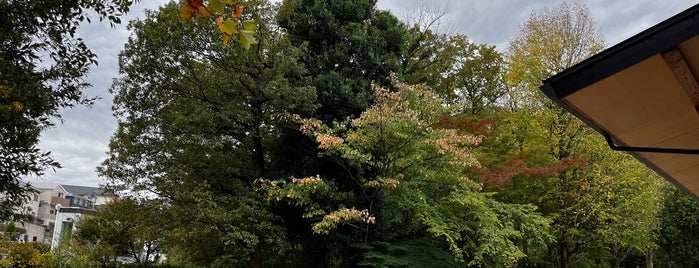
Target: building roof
643, 96
83, 190
74, 210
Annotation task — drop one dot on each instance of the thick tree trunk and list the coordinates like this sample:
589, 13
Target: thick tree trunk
259, 165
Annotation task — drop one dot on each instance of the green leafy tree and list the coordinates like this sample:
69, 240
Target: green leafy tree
11, 228
680, 224
459, 71
42, 70
558, 163
348, 45
122, 228
629, 198
410, 181
549, 42
72, 253
196, 120
23, 255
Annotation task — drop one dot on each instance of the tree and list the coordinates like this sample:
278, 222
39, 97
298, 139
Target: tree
632, 198
459, 71
680, 224
410, 183
42, 69
196, 119
549, 42
596, 196
348, 45
122, 228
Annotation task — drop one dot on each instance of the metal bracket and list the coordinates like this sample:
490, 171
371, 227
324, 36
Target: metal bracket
615, 147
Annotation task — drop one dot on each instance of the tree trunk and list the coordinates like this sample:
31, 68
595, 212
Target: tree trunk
259, 165
258, 153
255, 258
649, 257
616, 258
564, 258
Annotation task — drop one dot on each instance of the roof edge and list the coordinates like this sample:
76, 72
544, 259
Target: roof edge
657, 39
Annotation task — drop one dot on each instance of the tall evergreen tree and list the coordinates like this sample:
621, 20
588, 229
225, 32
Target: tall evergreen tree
348, 45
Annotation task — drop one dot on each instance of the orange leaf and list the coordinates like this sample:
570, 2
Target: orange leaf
226, 38
17, 106
204, 11
187, 12
195, 3
219, 21
238, 11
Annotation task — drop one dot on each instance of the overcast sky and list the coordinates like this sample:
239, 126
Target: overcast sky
81, 142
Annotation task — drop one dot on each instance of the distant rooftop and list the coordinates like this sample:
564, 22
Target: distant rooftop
82, 190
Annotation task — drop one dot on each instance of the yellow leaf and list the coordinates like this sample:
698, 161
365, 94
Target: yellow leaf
216, 6
229, 27
17, 106
247, 38
249, 25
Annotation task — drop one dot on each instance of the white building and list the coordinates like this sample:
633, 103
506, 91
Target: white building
65, 219
53, 210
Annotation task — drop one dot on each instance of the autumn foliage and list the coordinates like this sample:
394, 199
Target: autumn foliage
229, 24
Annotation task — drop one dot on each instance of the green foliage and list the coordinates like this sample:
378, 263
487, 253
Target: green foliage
462, 73
348, 45
122, 228
412, 181
10, 228
680, 226
23, 255
393, 175
42, 70
195, 122
412, 253
604, 205
17, 254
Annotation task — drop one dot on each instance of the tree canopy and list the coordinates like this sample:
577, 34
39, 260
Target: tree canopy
42, 70
346, 138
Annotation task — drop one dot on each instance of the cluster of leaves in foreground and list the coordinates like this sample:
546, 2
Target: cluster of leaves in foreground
228, 25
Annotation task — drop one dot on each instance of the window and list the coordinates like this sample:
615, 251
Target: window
60, 195
34, 239
51, 211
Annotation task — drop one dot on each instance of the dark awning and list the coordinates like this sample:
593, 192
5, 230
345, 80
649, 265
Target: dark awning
643, 96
